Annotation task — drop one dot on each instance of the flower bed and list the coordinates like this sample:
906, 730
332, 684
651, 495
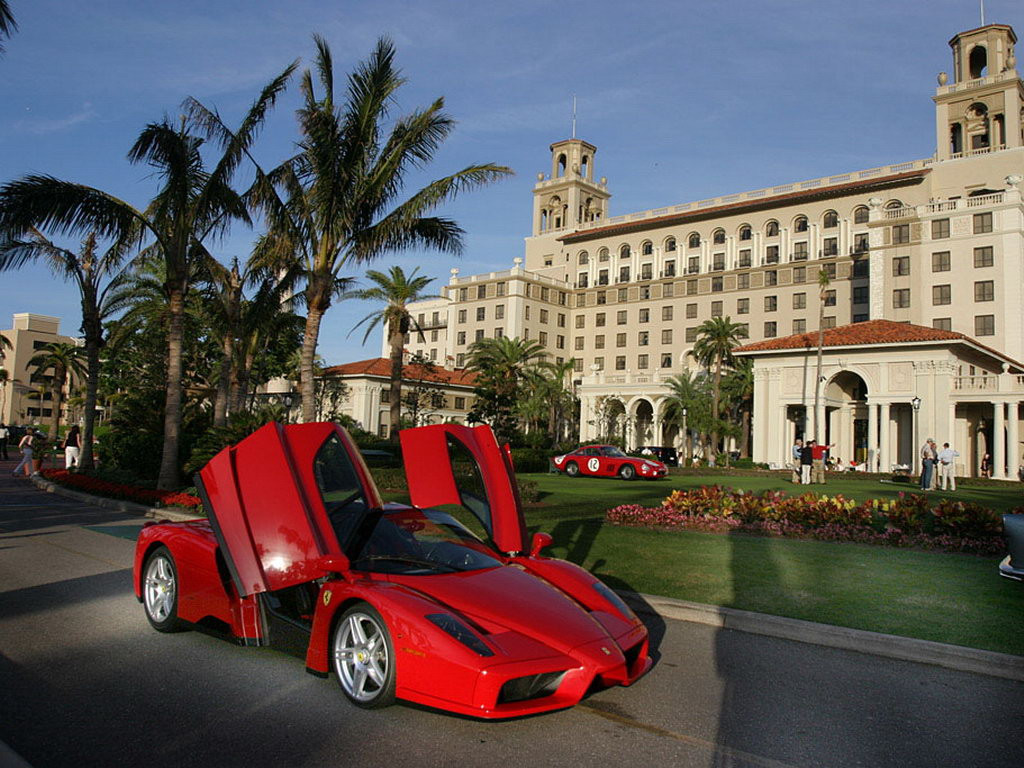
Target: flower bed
111, 490
908, 521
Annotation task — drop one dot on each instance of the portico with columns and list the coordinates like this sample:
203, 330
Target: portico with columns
885, 388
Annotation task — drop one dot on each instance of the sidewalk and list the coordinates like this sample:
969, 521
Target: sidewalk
889, 646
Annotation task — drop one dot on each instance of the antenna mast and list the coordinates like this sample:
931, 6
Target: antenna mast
574, 113
983, 13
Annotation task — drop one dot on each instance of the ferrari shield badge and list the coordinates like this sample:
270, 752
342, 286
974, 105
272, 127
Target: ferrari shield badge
327, 597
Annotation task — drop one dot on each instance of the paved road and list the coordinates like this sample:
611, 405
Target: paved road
85, 681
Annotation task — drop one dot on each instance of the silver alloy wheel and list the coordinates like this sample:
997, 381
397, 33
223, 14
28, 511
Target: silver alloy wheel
361, 658
572, 469
160, 588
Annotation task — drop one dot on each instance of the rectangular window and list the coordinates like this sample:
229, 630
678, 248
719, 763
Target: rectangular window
691, 311
620, 317
577, 343
771, 303
385, 395
645, 292
984, 325
645, 315
499, 311
691, 335
861, 268
799, 274
666, 360
693, 265
599, 362
830, 246
501, 289
620, 340
602, 277
481, 291
743, 306
943, 323
602, 298
771, 254
642, 362
799, 326
901, 266
982, 223
900, 234
860, 243
623, 274
744, 258
561, 320
646, 272
940, 229
828, 321
623, 294
543, 315
542, 338
799, 300
830, 298
581, 321
666, 336
942, 294
940, 261
984, 290
770, 330
860, 295
800, 251
599, 341
716, 309
463, 294
620, 363
499, 332
577, 365
691, 287
718, 262
582, 280
743, 281
643, 338
830, 271
460, 360
462, 315
559, 342
460, 338
544, 292
667, 290
481, 313
599, 319
479, 334
771, 277
901, 298
983, 257
716, 285
666, 312
670, 269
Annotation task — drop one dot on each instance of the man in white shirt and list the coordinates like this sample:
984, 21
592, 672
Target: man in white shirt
946, 461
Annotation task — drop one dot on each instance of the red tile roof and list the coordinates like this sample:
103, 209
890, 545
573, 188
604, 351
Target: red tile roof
859, 334
379, 366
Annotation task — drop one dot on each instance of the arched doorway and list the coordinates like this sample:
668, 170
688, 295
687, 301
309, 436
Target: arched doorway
643, 420
846, 417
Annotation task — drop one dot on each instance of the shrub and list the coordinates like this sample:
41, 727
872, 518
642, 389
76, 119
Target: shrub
111, 490
530, 460
966, 519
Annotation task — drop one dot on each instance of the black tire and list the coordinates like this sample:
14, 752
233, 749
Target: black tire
160, 591
572, 469
627, 472
368, 682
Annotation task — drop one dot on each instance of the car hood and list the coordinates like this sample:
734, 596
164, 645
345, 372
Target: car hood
512, 599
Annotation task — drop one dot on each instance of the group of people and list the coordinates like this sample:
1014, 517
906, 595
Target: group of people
938, 466
809, 461
32, 442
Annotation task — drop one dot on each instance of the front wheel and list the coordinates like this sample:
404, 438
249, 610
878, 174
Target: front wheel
364, 657
160, 591
627, 472
572, 469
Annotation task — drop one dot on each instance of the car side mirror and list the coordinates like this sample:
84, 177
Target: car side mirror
332, 564
540, 541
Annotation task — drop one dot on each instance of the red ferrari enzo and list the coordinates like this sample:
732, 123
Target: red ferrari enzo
299, 553
608, 461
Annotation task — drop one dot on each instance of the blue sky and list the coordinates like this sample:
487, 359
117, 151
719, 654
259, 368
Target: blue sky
684, 100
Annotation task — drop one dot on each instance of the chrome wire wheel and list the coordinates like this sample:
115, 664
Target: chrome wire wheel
363, 657
160, 591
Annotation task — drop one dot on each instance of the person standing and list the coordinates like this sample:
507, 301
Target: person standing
806, 457
72, 447
798, 446
818, 453
986, 466
5, 433
947, 464
927, 464
25, 446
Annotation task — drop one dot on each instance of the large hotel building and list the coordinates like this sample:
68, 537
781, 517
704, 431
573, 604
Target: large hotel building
923, 314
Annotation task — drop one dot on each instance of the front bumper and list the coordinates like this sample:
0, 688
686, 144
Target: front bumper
1008, 571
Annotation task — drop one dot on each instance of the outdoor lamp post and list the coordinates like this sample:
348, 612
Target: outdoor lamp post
288, 400
916, 403
686, 440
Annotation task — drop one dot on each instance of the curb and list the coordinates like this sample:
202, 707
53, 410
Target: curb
1003, 665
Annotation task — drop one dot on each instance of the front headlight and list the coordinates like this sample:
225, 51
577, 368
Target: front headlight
460, 632
603, 590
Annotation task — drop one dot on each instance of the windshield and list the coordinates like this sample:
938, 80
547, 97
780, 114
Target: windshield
413, 541
611, 450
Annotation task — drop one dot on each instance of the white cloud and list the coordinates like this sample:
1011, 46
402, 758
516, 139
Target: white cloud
43, 125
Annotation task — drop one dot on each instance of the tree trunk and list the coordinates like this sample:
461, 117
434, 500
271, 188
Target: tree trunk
396, 340
817, 377
715, 394
169, 472
244, 375
745, 445
93, 329
220, 405
306, 388
56, 397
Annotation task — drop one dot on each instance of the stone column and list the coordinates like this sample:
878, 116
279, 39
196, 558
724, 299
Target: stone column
884, 460
656, 430
872, 456
1013, 442
999, 441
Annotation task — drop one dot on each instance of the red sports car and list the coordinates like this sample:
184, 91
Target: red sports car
608, 461
401, 602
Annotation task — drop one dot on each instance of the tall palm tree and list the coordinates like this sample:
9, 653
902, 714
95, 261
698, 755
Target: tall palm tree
504, 367
738, 385
194, 205
823, 283
716, 339
686, 406
335, 204
97, 277
5, 376
396, 291
64, 359
7, 23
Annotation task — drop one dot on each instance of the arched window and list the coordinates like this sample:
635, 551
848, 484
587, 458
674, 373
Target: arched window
584, 257
718, 236
561, 165
830, 220
670, 244
771, 229
978, 61
892, 205
646, 248
585, 167
602, 255
746, 232
624, 251
800, 224
694, 240
860, 214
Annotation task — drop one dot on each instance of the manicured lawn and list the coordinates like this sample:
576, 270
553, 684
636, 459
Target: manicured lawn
949, 598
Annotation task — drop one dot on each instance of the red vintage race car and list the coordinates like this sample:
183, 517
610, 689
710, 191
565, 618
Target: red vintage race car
608, 461
299, 553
